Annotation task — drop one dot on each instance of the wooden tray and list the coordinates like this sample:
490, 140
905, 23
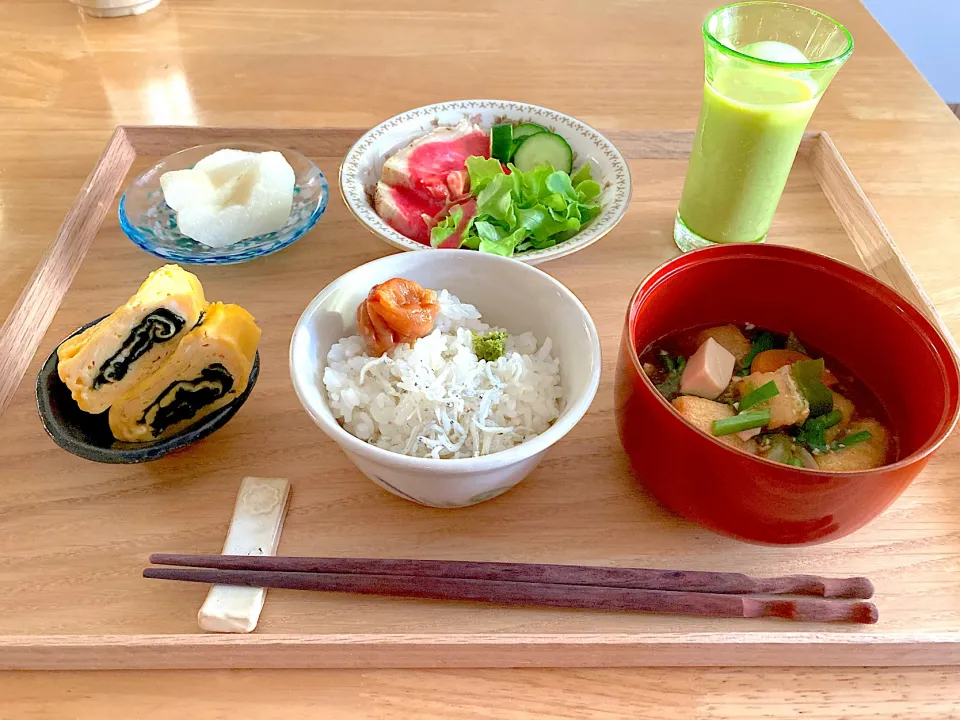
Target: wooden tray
75, 535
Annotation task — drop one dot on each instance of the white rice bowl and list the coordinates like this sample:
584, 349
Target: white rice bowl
436, 399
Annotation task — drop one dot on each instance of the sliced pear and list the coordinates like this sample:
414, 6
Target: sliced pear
186, 187
231, 195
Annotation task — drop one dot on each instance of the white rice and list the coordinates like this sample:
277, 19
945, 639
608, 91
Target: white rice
436, 399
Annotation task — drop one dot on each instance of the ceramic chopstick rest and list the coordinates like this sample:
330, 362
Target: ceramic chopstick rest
254, 530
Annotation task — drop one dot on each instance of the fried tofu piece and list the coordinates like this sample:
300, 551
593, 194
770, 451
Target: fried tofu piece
846, 408
730, 337
863, 456
701, 413
789, 407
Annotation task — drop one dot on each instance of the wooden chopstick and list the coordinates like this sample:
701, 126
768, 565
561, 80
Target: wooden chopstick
505, 592
723, 583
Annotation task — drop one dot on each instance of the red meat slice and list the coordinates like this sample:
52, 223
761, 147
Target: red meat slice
403, 210
427, 177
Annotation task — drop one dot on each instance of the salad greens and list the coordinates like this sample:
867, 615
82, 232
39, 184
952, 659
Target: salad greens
521, 211
446, 227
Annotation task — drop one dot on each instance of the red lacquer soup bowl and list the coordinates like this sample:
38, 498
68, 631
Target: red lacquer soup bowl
849, 315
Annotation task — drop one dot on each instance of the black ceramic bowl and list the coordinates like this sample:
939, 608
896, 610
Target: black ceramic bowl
88, 436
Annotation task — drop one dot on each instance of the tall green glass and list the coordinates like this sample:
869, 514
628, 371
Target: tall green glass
767, 65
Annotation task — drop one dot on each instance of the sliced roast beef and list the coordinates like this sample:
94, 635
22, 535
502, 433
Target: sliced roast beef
403, 210
426, 177
425, 163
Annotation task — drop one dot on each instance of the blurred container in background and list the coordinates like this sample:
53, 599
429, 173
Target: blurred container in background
115, 8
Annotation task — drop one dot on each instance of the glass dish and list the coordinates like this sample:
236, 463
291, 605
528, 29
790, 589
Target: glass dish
147, 219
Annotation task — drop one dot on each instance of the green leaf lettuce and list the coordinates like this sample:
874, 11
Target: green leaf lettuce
446, 227
520, 211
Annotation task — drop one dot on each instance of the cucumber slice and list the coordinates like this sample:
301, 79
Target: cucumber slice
521, 132
541, 149
501, 142
524, 129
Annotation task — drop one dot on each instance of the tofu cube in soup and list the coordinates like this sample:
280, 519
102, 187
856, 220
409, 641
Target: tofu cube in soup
701, 413
788, 407
708, 371
864, 455
730, 337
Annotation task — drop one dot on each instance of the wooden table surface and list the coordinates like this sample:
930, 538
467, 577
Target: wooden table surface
66, 81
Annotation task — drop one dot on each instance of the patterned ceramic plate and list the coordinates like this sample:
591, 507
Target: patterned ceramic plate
152, 224
362, 165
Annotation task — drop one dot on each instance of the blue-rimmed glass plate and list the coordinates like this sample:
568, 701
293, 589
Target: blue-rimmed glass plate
147, 219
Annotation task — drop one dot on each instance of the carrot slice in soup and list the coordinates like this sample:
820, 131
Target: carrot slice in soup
772, 360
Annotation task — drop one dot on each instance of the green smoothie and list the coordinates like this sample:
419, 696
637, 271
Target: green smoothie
750, 127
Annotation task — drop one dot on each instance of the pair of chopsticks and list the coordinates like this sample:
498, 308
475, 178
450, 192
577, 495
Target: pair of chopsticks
672, 592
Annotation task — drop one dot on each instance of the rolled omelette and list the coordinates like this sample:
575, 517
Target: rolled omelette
104, 361
210, 368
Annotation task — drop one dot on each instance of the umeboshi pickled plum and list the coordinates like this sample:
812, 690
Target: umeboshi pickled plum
395, 312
